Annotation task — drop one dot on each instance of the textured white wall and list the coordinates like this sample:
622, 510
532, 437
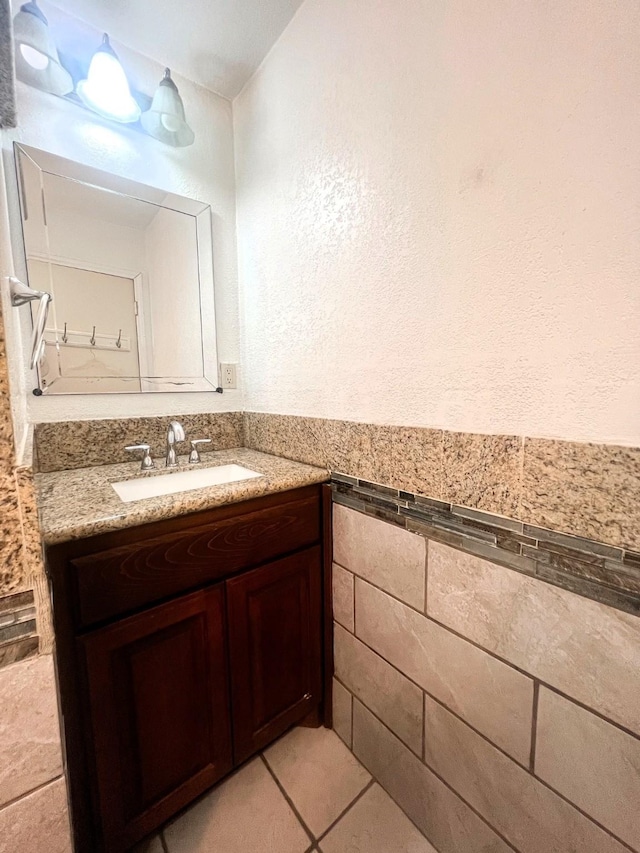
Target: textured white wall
438, 208
204, 171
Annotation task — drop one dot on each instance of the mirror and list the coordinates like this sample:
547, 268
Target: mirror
130, 272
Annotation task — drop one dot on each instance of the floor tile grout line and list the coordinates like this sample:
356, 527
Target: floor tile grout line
31, 791
491, 654
359, 796
290, 802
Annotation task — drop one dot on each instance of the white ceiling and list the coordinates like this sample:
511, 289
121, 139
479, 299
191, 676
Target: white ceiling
217, 43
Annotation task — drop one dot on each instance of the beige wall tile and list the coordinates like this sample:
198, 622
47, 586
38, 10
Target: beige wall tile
342, 712
526, 812
585, 649
37, 823
30, 752
483, 471
591, 762
319, 774
389, 557
493, 697
343, 596
449, 824
590, 490
375, 824
391, 696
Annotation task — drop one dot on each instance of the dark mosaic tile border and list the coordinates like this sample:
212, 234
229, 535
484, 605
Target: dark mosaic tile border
592, 569
18, 638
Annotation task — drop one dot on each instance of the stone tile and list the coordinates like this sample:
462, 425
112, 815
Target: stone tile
6, 422
301, 439
493, 697
14, 603
483, 471
352, 448
342, 712
29, 516
389, 557
404, 457
30, 752
375, 824
385, 691
343, 596
245, 812
62, 446
585, 649
12, 565
318, 773
591, 762
37, 823
449, 824
18, 650
80, 503
408, 458
522, 809
590, 490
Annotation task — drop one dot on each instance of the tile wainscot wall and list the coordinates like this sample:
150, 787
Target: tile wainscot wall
487, 639
499, 711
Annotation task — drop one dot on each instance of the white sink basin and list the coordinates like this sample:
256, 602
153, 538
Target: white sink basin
181, 481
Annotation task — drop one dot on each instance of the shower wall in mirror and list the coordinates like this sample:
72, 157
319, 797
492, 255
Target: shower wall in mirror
130, 272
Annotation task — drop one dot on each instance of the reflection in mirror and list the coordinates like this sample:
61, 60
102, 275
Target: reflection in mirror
130, 272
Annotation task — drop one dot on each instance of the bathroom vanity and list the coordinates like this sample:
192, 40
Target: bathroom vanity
184, 644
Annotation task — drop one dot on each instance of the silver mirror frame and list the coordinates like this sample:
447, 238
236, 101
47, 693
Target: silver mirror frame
201, 212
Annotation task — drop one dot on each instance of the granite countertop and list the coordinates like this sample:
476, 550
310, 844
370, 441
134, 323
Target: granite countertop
80, 503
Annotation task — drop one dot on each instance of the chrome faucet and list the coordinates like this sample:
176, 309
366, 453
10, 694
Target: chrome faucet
174, 433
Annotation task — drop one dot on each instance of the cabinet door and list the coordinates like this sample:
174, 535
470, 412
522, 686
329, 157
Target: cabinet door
159, 704
275, 644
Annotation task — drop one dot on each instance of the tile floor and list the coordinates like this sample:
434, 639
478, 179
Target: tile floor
305, 793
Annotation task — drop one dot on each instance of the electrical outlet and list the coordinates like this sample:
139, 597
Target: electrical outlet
228, 376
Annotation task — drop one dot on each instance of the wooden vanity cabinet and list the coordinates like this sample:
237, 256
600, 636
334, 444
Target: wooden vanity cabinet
160, 714
222, 644
275, 631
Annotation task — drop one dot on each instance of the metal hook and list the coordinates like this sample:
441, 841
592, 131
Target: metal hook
92, 339
119, 341
65, 337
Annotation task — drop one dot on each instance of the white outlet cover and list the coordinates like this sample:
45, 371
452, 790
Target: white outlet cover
228, 376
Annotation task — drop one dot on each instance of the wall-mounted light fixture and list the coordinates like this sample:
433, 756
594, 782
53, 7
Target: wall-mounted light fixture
165, 120
106, 90
37, 61
103, 89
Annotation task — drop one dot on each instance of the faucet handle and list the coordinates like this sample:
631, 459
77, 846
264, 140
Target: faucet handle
194, 456
147, 461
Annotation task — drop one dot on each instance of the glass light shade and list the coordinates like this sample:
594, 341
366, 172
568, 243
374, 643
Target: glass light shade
106, 89
37, 61
165, 120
